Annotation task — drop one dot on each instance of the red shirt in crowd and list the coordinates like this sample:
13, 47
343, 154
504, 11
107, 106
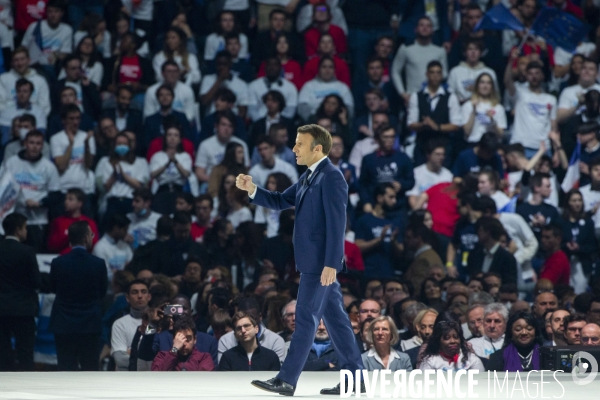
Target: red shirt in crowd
531, 48
342, 73
557, 269
196, 361
354, 260
58, 236
443, 206
313, 35
27, 12
156, 145
292, 71
197, 232
130, 70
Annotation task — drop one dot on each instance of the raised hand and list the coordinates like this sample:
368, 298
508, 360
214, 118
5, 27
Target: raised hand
244, 182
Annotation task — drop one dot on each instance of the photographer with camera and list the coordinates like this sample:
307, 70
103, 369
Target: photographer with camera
183, 356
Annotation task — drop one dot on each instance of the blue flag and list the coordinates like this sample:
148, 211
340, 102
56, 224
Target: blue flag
499, 18
559, 28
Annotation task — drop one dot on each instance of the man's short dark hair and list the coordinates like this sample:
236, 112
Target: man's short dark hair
117, 221
515, 148
277, 11
68, 88
137, 282
125, 88
277, 96
510, 288
68, 109
433, 63
554, 228
24, 82
535, 65
374, 59
536, 180
381, 188
264, 139
70, 58
589, 127
381, 129
164, 226
474, 41
223, 54
62, 4
186, 196
205, 197
78, 193
228, 115
247, 303
320, 136
569, 319
433, 144
489, 142
165, 87
34, 133
78, 232
144, 193
28, 118
492, 226
226, 95
486, 205
241, 315
13, 222
181, 218
184, 323
220, 297
167, 64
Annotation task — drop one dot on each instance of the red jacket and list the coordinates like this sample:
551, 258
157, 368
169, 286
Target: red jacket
58, 237
196, 361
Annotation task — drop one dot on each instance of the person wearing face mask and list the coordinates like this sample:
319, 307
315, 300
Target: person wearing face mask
142, 228
520, 351
23, 124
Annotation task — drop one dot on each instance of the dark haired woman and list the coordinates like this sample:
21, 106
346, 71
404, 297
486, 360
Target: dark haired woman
521, 349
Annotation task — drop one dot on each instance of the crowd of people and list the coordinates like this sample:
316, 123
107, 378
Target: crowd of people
123, 125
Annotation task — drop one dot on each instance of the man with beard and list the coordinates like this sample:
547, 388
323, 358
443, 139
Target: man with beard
558, 328
125, 117
377, 237
322, 355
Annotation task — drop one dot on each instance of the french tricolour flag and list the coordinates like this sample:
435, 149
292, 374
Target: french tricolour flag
572, 177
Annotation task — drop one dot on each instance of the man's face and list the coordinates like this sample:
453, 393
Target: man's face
473, 53
380, 119
171, 74
290, 317
437, 157
245, 332
73, 70
326, 45
373, 102
193, 272
425, 328
527, 9
203, 210
138, 296
391, 288
165, 98
20, 62
557, 322
322, 335
227, 22
573, 332
181, 232
590, 335
188, 344
549, 241
535, 77
68, 96
233, 47
594, 310
23, 94
384, 48
434, 76
388, 199
33, 146
475, 321
54, 15
484, 186
545, 189
369, 308
222, 65
589, 71
337, 147
139, 204
375, 71
273, 68
224, 130
544, 301
472, 19
277, 22
305, 153
508, 298
424, 28
72, 121
71, 203
386, 140
494, 325
182, 205
266, 152
123, 100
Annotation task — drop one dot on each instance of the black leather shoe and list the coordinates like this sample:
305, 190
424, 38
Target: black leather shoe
336, 390
275, 385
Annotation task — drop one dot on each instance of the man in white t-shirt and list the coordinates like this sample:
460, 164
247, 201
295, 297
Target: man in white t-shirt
184, 96
431, 173
224, 77
272, 81
56, 37
73, 152
212, 150
142, 228
535, 110
367, 145
270, 164
571, 98
112, 247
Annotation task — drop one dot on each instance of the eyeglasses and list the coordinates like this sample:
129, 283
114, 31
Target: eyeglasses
365, 311
244, 327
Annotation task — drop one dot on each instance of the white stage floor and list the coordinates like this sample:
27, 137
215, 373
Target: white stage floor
228, 385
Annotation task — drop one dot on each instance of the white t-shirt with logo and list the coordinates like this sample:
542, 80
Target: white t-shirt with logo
183, 102
424, 179
76, 175
482, 120
138, 170
533, 115
116, 254
58, 40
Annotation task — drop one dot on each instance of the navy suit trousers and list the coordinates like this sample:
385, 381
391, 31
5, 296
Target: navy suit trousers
316, 301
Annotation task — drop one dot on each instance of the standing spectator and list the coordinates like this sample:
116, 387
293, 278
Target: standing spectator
22, 105
184, 96
175, 49
461, 80
483, 155
112, 247
67, 96
125, 117
429, 174
556, 268
536, 211
367, 145
240, 66
79, 281
375, 79
279, 132
326, 49
40, 187
21, 70
215, 42
93, 26
270, 163
49, 40
248, 355
433, 113
571, 98
20, 276
495, 317
88, 96
225, 100
283, 48
322, 355
488, 184
436, 12
267, 40
143, 221
58, 235
259, 87
321, 24
415, 59
140, 12
154, 125
483, 112
535, 115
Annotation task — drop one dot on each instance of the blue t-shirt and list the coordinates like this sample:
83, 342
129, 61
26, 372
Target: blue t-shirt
468, 161
378, 261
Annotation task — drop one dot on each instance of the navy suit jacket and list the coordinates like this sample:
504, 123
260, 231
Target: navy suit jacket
79, 280
320, 217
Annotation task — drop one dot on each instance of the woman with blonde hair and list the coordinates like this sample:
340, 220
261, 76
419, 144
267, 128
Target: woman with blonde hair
483, 113
382, 334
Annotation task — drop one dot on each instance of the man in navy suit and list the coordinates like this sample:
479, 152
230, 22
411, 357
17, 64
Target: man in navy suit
79, 281
320, 198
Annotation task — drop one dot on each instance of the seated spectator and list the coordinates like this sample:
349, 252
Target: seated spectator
284, 49
203, 206
382, 333
248, 354
93, 26
423, 325
461, 80
488, 255
375, 102
223, 77
322, 356
367, 145
141, 13
335, 109
272, 80
124, 329
128, 68
326, 49
22, 126
429, 174
321, 24
125, 117
184, 356
170, 169
483, 155
475, 318
58, 238
591, 194
447, 349
191, 280
224, 101
574, 324
376, 79
88, 95
238, 210
418, 239
112, 247
288, 314
68, 96
39, 187
20, 70
54, 40
590, 334
495, 317
483, 112
270, 163
556, 267
269, 38
215, 42
558, 328
520, 351
175, 49
22, 105
142, 227
184, 96
488, 184
278, 133
336, 157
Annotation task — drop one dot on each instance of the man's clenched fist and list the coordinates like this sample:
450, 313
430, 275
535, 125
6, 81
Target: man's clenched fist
244, 182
